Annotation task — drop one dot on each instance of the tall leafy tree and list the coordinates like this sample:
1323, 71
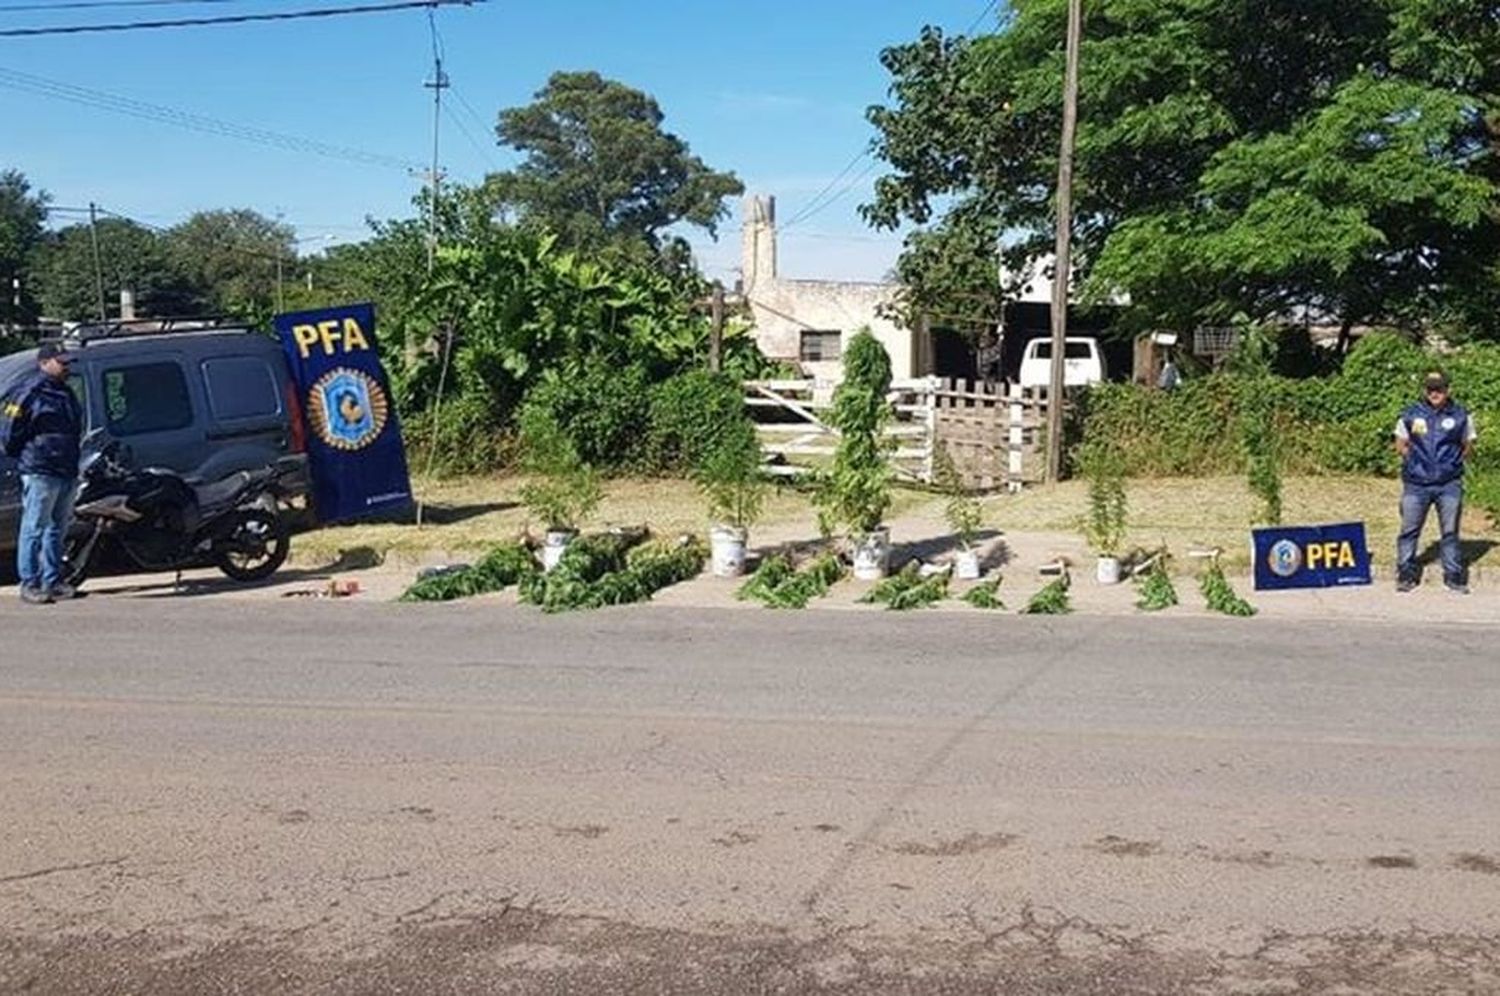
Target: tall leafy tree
131, 257
231, 256
599, 170
23, 212
1234, 158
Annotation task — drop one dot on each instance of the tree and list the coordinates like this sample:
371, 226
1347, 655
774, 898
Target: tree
231, 256
23, 211
131, 257
1254, 159
600, 171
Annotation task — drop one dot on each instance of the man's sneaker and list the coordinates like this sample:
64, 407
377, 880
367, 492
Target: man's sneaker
62, 591
1457, 587
35, 596
1404, 585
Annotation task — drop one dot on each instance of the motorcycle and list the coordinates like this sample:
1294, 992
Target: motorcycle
163, 522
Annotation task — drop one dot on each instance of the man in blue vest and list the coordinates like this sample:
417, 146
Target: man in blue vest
41, 425
1434, 437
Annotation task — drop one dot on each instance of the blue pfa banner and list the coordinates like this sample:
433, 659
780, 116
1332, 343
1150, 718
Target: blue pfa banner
354, 446
1310, 556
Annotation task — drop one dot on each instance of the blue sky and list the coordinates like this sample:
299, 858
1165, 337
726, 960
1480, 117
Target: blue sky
774, 91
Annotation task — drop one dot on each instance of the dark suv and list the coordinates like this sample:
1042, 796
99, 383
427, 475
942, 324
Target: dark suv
205, 401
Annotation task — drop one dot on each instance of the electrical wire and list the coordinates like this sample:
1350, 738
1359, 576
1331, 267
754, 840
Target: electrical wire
198, 122
191, 22
819, 203
98, 4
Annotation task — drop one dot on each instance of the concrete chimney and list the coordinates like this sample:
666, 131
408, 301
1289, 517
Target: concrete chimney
758, 241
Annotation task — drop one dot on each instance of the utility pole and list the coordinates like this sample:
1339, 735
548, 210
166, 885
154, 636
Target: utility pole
98, 265
716, 329
1062, 270
437, 85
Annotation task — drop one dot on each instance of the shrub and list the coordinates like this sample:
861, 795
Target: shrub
690, 414
729, 475
857, 490
602, 410
565, 489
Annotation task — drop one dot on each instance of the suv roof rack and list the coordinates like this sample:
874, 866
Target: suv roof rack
124, 328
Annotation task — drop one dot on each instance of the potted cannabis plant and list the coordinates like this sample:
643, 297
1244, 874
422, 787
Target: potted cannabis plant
962, 512
729, 476
1104, 527
563, 490
856, 491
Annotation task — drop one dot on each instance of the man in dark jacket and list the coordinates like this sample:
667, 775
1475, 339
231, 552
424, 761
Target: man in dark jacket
1434, 437
41, 426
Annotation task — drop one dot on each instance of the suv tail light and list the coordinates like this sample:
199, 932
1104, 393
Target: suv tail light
294, 417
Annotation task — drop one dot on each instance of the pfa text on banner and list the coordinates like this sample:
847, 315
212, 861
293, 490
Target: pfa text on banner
1310, 556
354, 443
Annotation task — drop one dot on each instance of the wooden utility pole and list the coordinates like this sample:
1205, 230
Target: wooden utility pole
716, 329
98, 264
1062, 271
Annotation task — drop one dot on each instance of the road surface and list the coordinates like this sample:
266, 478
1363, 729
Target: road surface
201, 795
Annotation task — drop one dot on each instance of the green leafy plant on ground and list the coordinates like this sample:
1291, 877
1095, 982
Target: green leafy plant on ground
612, 569
1052, 600
907, 589
778, 586
961, 509
856, 490
565, 489
985, 595
505, 565
1108, 506
1220, 596
729, 476
1155, 588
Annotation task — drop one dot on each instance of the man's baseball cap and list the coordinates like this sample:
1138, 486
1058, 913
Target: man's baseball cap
1436, 381
53, 351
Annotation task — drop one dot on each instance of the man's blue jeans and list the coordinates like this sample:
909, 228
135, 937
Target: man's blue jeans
46, 514
1415, 500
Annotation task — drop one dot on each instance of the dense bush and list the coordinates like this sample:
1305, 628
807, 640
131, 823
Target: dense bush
603, 410
690, 414
1340, 423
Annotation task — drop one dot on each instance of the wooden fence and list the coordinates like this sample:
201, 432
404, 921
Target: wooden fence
991, 431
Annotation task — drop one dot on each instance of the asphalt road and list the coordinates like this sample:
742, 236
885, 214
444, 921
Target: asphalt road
206, 796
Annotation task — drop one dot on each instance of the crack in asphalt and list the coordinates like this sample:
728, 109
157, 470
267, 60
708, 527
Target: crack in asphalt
929, 766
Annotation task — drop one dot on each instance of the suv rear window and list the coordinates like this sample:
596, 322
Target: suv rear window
1071, 350
150, 397
240, 387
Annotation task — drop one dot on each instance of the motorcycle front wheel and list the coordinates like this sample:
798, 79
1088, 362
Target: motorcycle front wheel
255, 547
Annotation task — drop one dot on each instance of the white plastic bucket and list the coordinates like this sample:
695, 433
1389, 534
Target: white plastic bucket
872, 555
554, 545
727, 551
1108, 570
966, 565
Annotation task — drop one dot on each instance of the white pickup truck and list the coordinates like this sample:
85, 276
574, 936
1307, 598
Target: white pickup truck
1083, 363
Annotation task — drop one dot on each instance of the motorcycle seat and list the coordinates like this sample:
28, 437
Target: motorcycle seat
222, 492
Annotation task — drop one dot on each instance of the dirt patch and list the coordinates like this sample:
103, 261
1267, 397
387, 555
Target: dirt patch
1391, 861
588, 831
1120, 847
1477, 863
973, 843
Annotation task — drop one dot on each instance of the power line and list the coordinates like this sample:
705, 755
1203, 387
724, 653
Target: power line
815, 208
96, 4
190, 22
982, 15
197, 122
812, 206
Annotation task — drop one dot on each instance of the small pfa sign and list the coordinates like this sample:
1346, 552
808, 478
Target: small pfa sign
1310, 556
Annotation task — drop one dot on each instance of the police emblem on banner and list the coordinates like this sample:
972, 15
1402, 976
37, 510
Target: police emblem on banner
347, 409
1285, 558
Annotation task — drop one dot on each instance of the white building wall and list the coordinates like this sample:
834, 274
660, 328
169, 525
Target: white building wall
783, 309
